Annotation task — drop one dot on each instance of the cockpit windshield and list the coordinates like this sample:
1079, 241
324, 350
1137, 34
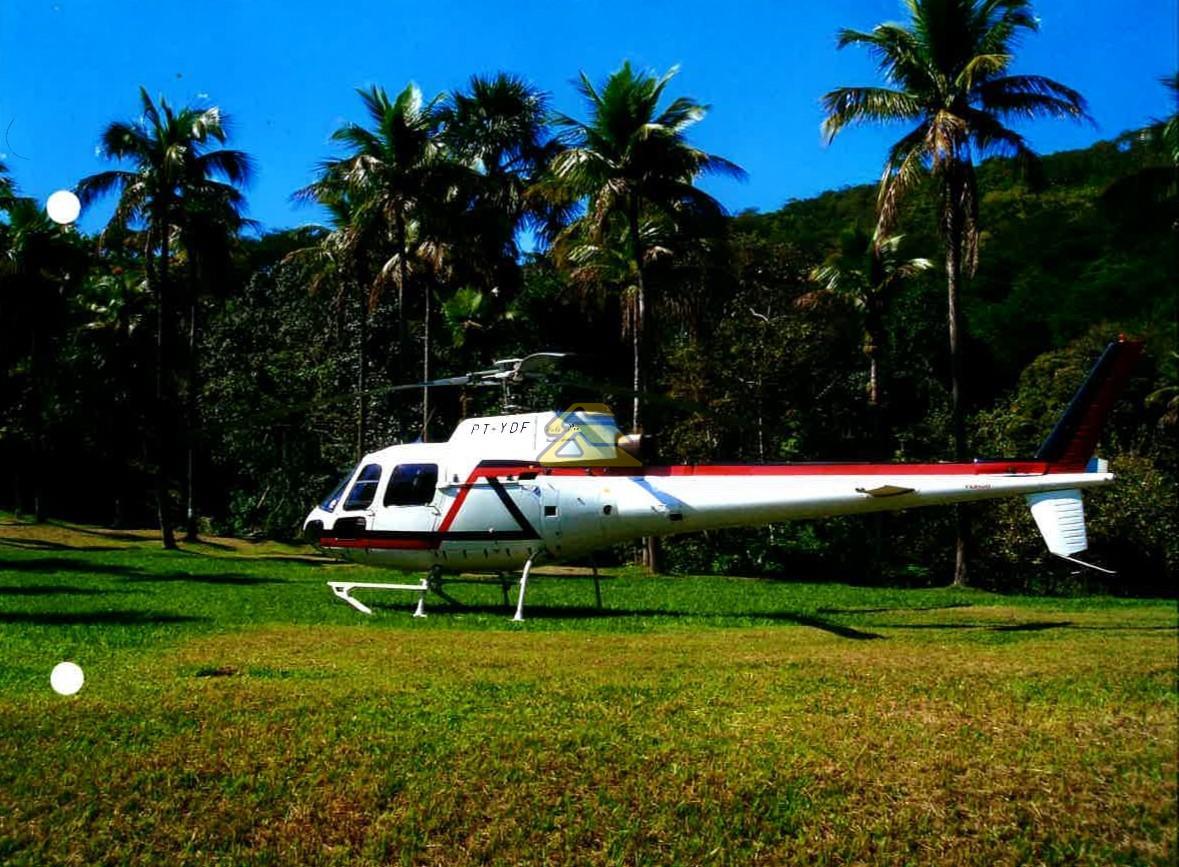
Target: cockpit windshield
332, 500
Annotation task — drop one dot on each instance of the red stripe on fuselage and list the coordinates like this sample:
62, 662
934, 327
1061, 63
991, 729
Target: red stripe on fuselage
999, 468
403, 544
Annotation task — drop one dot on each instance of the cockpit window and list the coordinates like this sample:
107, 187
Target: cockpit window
364, 489
412, 485
333, 499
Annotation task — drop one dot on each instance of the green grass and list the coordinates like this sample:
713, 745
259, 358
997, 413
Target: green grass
236, 712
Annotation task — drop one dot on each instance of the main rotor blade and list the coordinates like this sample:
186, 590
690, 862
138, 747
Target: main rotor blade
434, 383
530, 365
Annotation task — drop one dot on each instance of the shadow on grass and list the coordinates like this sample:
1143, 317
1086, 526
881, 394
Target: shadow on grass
133, 573
61, 564
1033, 626
117, 535
192, 549
1030, 626
589, 612
828, 626
299, 559
173, 577
897, 608
96, 618
44, 545
54, 590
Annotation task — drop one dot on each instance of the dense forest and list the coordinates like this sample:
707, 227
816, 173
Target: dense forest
184, 366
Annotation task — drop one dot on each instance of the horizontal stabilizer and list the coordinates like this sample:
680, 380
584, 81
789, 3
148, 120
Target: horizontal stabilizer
1060, 515
885, 491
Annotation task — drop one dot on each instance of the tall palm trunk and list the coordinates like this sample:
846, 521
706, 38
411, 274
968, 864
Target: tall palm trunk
638, 315
161, 402
190, 529
954, 220
362, 375
874, 339
426, 365
402, 276
37, 412
651, 552
874, 334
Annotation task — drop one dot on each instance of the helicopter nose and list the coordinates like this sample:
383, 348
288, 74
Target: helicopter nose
313, 531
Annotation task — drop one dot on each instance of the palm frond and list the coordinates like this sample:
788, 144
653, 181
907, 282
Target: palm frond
1031, 96
96, 186
902, 171
235, 166
979, 68
149, 107
847, 105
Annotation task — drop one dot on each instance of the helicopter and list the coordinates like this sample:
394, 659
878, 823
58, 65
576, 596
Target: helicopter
508, 492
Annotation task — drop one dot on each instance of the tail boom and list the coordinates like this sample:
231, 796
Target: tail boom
667, 505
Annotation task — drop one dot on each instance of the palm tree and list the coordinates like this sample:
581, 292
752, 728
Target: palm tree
947, 71
213, 222
113, 305
631, 166
498, 127
340, 257
398, 173
867, 271
40, 259
173, 168
1164, 132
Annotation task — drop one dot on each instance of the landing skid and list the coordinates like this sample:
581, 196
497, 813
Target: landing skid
434, 582
344, 589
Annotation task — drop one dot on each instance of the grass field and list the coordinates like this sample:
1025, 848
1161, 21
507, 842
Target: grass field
236, 712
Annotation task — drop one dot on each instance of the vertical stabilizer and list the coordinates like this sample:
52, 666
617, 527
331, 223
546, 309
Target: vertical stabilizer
1074, 439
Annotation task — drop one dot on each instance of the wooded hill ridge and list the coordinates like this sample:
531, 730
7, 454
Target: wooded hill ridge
748, 360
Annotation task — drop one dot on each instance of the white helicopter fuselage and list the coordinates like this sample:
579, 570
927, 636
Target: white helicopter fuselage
498, 494
515, 490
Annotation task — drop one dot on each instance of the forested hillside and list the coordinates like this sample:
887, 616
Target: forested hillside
185, 368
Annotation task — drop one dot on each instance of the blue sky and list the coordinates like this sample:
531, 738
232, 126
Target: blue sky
286, 73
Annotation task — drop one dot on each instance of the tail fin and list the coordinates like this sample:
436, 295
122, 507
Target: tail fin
1060, 515
1074, 439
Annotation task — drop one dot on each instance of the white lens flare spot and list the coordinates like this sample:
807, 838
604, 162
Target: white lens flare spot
66, 678
63, 207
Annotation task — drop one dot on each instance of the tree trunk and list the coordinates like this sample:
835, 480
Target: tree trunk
874, 339
953, 279
402, 277
361, 377
37, 414
190, 528
874, 328
873, 380
651, 553
161, 402
638, 316
426, 363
